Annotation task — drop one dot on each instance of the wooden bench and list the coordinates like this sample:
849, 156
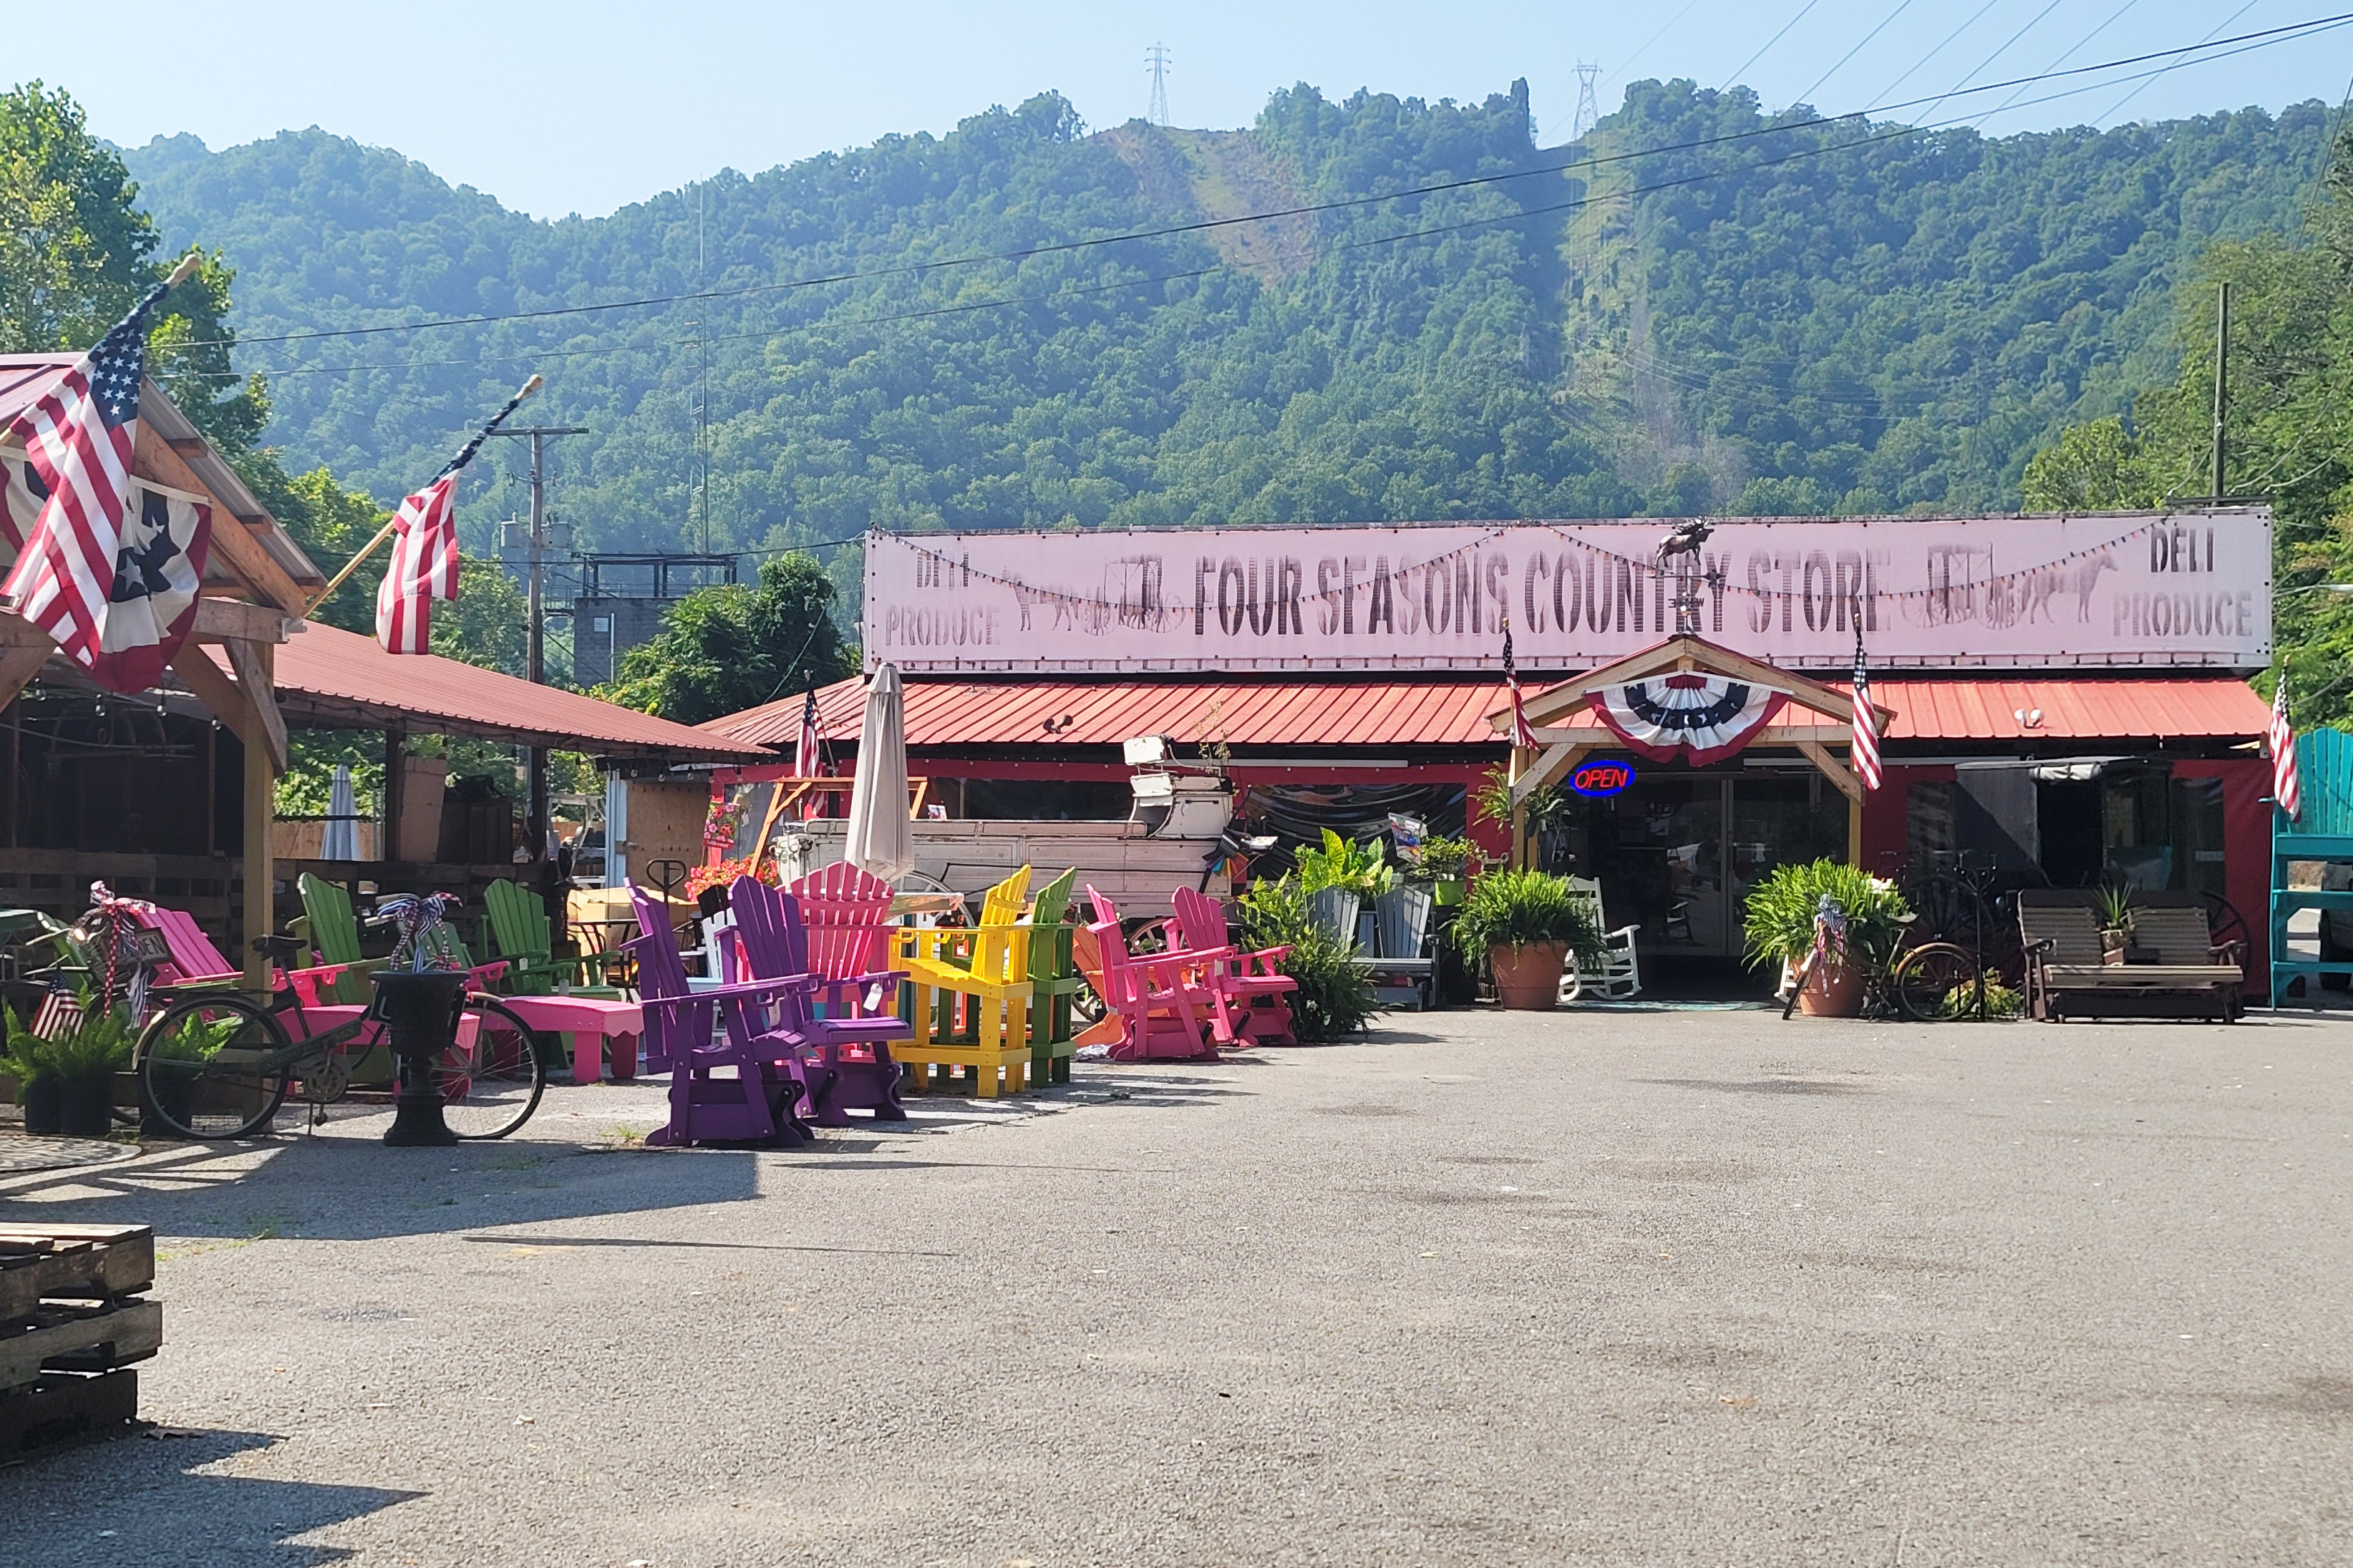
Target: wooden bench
2068, 973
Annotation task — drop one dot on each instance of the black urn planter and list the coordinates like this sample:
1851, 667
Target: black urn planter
43, 1109
86, 1106
420, 1008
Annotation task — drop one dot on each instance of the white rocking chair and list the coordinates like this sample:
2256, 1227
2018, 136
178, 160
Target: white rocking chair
1617, 974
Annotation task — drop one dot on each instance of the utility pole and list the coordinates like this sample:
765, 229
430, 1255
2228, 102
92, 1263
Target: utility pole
535, 813
2222, 375
1156, 59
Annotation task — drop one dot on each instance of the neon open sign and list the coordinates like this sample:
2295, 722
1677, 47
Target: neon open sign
1598, 781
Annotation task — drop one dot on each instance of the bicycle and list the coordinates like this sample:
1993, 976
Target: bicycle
218, 1065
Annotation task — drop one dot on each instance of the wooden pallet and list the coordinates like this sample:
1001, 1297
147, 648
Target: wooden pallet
71, 1324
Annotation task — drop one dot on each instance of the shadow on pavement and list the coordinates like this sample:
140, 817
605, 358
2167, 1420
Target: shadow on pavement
139, 1500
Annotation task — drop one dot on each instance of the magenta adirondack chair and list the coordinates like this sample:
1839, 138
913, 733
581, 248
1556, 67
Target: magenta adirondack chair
759, 1103
1252, 983
846, 915
848, 1058
196, 962
1167, 1004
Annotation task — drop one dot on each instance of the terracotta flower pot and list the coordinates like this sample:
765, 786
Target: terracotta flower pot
1832, 993
1527, 976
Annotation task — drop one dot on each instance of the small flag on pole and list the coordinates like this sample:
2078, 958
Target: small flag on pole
425, 564
79, 441
1522, 735
1864, 749
2287, 784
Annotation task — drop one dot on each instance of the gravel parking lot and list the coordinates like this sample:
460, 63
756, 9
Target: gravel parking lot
1644, 1287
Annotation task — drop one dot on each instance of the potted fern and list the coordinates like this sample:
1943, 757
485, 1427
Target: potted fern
1524, 924
88, 1056
172, 1089
1853, 917
30, 1061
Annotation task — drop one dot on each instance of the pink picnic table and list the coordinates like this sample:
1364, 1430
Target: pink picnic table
591, 1022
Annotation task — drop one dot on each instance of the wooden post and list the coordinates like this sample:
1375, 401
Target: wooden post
260, 795
1520, 759
1854, 834
395, 790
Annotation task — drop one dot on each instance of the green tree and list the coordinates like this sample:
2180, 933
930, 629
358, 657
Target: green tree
723, 650
76, 251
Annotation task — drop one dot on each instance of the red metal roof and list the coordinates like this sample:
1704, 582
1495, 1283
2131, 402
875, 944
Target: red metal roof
26, 379
1442, 712
980, 713
327, 676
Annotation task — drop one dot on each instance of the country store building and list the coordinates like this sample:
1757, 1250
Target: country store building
2065, 696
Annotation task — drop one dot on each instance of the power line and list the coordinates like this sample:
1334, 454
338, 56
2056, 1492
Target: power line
1628, 64
2114, 18
2144, 86
1902, 6
2014, 38
1769, 43
2280, 34
1931, 55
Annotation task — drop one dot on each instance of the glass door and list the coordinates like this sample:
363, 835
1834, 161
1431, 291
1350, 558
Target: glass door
1658, 851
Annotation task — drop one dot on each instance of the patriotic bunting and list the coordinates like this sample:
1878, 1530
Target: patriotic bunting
1693, 716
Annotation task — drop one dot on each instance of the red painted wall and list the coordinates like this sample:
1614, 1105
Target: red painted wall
2247, 852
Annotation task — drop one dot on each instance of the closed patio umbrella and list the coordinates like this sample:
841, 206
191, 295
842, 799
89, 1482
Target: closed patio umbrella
880, 841
342, 839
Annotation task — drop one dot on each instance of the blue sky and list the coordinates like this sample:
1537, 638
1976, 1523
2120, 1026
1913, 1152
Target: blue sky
588, 106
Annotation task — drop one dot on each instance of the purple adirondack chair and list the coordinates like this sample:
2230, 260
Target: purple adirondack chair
760, 1103
849, 1057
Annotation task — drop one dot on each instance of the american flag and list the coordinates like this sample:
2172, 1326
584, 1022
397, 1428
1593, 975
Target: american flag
424, 565
809, 761
79, 442
1865, 744
1522, 735
2287, 787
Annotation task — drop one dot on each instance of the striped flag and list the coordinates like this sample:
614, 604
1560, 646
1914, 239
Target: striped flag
809, 761
78, 443
1864, 747
424, 566
1523, 735
2287, 785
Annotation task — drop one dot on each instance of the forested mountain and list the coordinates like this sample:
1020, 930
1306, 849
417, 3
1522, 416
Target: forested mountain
1800, 319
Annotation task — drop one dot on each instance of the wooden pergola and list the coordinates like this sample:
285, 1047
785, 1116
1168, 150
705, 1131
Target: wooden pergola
258, 588
1826, 721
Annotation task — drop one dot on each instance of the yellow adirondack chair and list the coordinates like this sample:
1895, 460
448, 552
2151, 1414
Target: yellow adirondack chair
981, 972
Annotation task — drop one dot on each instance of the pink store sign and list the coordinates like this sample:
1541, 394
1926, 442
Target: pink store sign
2108, 590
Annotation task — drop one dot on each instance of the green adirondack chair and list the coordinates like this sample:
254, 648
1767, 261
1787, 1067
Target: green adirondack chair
1054, 981
329, 925
520, 933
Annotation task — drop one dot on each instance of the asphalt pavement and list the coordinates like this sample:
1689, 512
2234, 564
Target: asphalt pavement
1687, 1286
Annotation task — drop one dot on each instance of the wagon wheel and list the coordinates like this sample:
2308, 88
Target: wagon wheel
2225, 921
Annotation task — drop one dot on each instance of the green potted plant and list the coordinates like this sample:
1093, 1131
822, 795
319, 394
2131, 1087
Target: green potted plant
1446, 864
1855, 918
1525, 925
2114, 908
195, 1042
1338, 879
88, 1056
32, 1062
1335, 993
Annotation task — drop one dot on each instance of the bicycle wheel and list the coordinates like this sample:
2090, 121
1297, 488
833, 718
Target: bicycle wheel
492, 1079
213, 1067
1937, 982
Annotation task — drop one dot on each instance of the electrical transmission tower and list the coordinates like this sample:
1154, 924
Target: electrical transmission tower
1156, 59
1588, 108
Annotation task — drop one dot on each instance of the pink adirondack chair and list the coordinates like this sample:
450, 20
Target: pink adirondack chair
850, 1065
846, 915
1252, 983
760, 1101
1168, 1003
196, 962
